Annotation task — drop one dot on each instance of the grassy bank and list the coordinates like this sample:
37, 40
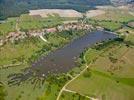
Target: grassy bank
27, 51
111, 74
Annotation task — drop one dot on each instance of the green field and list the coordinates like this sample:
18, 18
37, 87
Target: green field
115, 15
100, 86
20, 52
35, 22
113, 19
24, 52
32, 48
69, 96
8, 26
26, 22
110, 76
19, 92
108, 25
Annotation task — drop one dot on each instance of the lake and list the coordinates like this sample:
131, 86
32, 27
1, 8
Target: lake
64, 59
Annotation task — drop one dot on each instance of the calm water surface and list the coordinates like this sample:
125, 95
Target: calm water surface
64, 59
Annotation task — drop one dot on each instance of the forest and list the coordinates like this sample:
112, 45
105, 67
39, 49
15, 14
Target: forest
13, 8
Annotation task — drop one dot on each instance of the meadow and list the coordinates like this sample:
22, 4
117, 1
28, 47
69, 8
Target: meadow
20, 52
106, 24
8, 26
25, 52
115, 14
69, 96
110, 76
26, 22
113, 19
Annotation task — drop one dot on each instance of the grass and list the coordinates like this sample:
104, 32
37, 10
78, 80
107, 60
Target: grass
127, 81
130, 38
106, 82
99, 85
8, 26
22, 51
115, 15
22, 92
27, 22
31, 22
109, 25
28, 48
113, 19
31, 49
72, 96
51, 95
56, 39
116, 84
90, 56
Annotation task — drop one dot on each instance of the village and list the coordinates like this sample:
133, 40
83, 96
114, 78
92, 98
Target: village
19, 35
62, 54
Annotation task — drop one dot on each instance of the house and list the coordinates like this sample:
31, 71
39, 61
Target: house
51, 30
1, 42
131, 24
60, 28
15, 36
35, 33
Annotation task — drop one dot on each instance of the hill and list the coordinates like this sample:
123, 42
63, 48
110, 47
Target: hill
119, 2
10, 8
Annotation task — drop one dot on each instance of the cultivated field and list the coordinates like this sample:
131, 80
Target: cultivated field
65, 13
8, 26
118, 15
21, 52
111, 75
94, 13
60, 12
69, 96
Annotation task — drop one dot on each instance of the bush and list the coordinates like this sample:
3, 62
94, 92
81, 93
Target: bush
87, 74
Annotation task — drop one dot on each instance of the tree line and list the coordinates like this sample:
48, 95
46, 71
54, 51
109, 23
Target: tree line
11, 8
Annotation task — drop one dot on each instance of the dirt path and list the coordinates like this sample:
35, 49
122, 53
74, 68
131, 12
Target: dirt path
43, 38
64, 87
128, 60
91, 98
17, 25
10, 65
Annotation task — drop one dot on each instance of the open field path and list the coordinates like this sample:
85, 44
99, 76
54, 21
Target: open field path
130, 62
64, 87
87, 66
67, 90
43, 38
